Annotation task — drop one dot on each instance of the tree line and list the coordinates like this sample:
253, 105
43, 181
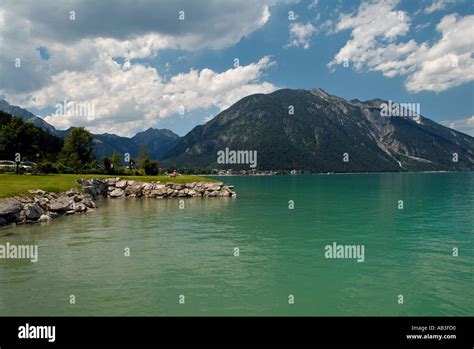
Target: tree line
74, 154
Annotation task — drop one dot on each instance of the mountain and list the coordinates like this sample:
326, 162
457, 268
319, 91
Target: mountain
106, 144
157, 142
322, 129
29, 117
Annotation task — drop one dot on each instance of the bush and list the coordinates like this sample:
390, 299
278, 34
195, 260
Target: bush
33, 170
94, 167
151, 167
65, 169
47, 167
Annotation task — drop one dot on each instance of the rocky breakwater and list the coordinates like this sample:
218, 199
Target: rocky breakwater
42, 206
118, 188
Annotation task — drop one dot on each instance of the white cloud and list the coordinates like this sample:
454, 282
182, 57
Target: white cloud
206, 24
435, 67
422, 26
116, 28
300, 34
446, 64
313, 3
84, 54
265, 16
127, 101
464, 125
326, 26
209, 118
435, 6
373, 22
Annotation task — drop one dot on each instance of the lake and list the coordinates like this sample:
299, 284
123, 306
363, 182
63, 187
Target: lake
192, 252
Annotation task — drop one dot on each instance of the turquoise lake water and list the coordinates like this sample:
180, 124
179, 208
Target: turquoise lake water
190, 251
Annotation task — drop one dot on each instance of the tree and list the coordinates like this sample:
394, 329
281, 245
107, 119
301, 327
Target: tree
116, 161
17, 136
107, 165
78, 149
151, 167
143, 157
113, 165
4, 118
31, 142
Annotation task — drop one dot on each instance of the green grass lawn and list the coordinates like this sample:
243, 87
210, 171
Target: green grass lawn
11, 184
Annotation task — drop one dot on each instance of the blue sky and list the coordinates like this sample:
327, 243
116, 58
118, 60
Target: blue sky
139, 65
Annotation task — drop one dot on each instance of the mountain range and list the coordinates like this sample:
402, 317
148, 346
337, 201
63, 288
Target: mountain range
157, 142
321, 133
300, 129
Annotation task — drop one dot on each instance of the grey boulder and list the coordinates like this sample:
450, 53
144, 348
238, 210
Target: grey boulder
33, 211
117, 193
9, 206
61, 204
44, 218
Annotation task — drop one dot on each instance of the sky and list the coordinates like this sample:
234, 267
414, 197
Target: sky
125, 66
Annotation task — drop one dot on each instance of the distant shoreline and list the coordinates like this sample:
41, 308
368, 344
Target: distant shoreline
325, 173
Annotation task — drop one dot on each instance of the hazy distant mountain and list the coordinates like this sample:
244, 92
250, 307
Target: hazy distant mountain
322, 129
106, 144
157, 142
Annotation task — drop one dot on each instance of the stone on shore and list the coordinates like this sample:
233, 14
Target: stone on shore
72, 192
122, 184
44, 218
43, 206
37, 192
111, 181
79, 207
117, 193
148, 186
9, 206
33, 211
134, 190
63, 203
89, 203
53, 215
90, 189
25, 200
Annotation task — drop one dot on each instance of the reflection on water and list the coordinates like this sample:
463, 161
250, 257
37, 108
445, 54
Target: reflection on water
189, 251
